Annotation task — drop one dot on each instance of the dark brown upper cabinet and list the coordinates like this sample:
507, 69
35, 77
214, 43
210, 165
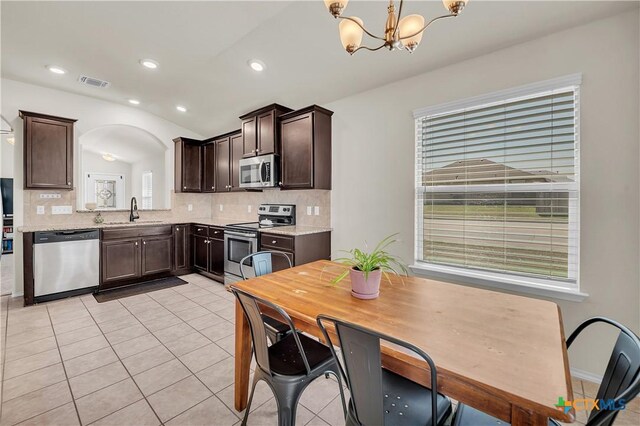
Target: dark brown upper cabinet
209, 169
188, 165
236, 155
48, 151
222, 164
260, 130
305, 152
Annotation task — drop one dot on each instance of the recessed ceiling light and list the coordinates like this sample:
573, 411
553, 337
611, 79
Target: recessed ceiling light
108, 157
56, 69
181, 108
149, 63
257, 65
134, 102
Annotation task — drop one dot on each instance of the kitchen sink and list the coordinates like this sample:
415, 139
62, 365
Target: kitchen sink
138, 222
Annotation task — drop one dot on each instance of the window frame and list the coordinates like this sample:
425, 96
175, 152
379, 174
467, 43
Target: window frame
503, 280
144, 198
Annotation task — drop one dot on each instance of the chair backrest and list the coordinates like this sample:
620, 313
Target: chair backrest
251, 306
360, 348
621, 381
261, 262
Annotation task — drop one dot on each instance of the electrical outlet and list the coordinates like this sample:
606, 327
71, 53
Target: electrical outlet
316, 210
221, 207
49, 195
249, 208
189, 207
61, 209
40, 210
308, 210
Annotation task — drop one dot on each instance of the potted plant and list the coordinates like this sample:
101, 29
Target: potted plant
366, 269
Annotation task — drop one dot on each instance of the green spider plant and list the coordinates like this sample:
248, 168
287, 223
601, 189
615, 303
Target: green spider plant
368, 262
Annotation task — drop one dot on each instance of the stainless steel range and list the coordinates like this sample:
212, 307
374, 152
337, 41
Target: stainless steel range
242, 239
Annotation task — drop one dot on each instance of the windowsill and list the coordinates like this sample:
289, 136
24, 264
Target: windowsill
481, 279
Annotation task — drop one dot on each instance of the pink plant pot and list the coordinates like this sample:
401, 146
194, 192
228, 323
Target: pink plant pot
362, 288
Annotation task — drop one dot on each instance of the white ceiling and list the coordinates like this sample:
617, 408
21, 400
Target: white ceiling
203, 49
125, 143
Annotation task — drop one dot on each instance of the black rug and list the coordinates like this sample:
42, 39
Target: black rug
135, 289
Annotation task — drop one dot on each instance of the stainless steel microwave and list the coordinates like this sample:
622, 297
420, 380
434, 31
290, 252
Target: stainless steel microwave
259, 172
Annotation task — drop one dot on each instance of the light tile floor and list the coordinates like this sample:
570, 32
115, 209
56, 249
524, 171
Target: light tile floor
164, 357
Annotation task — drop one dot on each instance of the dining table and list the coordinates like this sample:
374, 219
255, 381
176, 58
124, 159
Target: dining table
500, 353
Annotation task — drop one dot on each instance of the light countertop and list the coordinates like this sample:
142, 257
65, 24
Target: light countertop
283, 230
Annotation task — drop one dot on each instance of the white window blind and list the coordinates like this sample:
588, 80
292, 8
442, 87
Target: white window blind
497, 188
147, 190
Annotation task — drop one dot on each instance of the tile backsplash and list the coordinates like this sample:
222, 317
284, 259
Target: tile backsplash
235, 206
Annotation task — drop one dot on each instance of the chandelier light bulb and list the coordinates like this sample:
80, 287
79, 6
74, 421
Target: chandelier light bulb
351, 34
410, 31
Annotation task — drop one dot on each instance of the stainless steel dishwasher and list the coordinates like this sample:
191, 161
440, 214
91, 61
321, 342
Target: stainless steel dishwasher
65, 263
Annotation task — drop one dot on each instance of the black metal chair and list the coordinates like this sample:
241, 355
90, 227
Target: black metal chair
621, 381
378, 396
262, 264
287, 366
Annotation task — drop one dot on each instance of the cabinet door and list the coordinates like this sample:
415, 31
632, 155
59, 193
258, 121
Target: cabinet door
266, 133
200, 252
297, 151
249, 137
192, 168
236, 155
156, 255
216, 256
120, 260
48, 153
209, 170
222, 165
278, 263
181, 245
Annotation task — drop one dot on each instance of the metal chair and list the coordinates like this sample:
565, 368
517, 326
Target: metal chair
621, 381
262, 264
287, 366
378, 396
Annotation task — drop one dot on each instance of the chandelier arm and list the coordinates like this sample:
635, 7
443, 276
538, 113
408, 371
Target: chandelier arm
428, 23
363, 28
395, 30
369, 48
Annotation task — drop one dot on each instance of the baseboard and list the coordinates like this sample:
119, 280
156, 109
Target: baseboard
585, 375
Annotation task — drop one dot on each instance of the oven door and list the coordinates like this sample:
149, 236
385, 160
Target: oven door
238, 245
258, 172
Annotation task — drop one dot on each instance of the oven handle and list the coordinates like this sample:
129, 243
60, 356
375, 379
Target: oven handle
241, 234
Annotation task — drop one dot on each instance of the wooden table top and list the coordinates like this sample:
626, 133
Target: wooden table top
512, 346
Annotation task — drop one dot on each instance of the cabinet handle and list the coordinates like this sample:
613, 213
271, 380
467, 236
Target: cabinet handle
213, 187
177, 229
199, 229
185, 187
280, 183
144, 242
136, 243
273, 242
216, 232
68, 183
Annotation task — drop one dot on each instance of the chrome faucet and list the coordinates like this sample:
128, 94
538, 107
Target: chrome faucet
133, 215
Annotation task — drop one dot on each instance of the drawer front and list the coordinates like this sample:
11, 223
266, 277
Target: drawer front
135, 231
201, 230
277, 242
216, 233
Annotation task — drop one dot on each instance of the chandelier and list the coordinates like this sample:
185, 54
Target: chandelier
399, 33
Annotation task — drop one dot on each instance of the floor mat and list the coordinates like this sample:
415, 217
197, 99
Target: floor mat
135, 289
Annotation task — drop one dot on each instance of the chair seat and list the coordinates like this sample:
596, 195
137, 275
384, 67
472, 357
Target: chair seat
285, 359
408, 403
467, 416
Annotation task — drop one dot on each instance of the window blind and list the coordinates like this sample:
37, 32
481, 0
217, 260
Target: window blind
497, 187
147, 190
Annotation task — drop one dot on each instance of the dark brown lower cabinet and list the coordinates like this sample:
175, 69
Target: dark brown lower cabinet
120, 260
300, 249
208, 251
182, 249
156, 255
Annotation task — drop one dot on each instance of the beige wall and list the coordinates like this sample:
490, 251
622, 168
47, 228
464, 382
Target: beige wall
373, 158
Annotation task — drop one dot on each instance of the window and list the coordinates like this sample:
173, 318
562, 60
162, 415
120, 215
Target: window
497, 185
147, 190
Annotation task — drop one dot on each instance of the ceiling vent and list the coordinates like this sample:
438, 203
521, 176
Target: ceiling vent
93, 82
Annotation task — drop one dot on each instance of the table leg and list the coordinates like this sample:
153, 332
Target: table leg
522, 417
242, 359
